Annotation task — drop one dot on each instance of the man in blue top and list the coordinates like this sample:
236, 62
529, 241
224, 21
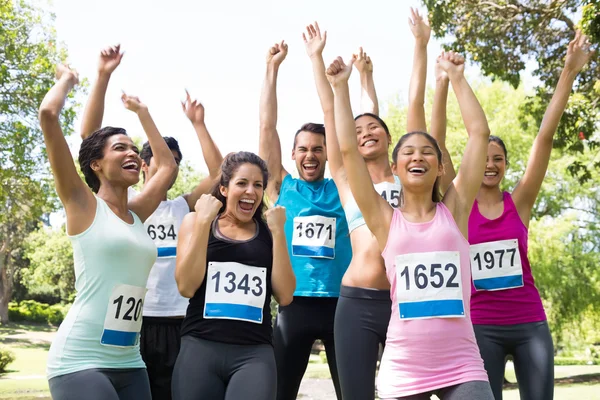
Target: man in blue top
317, 236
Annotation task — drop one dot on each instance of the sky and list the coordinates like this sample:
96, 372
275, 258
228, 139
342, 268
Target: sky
217, 51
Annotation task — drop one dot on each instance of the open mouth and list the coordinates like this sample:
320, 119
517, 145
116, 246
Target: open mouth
417, 170
310, 167
247, 205
131, 166
490, 173
369, 143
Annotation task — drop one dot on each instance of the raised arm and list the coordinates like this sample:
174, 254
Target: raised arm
190, 264
526, 192
415, 120
269, 147
376, 211
368, 95
110, 58
283, 280
156, 188
315, 43
461, 194
77, 198
194, 110
438, 124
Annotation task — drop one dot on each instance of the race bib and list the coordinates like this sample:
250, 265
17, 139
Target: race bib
235, 291
496, 265
164, 235
428, 285
390, 192
123, 319
314, 236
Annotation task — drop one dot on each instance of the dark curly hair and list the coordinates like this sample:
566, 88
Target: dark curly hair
92, 149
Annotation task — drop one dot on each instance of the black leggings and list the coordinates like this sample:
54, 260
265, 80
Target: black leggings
159, 345
533, 356
102, 384
297, 327
223, 371
473, 390
361, 322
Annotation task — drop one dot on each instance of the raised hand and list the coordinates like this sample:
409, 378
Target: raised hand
440, 74
578, 52
194, 110
110, 58
207, 208
418, 26
275, 218
339, 72
132, 103
277, 53
313, 40
65, 72
363, 62
452, 63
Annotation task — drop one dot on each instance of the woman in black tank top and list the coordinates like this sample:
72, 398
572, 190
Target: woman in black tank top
229, 263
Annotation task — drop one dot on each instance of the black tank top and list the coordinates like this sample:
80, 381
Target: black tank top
233, 303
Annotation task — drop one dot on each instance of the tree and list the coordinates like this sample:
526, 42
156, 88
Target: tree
502, 36
28, 54
564, 234
187, 180
51, 271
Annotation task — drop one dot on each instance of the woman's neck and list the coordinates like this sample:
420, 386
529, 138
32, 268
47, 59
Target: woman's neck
379, 169
489, 195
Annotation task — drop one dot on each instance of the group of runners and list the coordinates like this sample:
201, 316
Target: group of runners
408, 256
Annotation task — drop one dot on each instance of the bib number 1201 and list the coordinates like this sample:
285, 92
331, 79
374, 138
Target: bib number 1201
132, 305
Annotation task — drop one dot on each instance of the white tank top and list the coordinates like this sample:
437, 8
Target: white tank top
163, 298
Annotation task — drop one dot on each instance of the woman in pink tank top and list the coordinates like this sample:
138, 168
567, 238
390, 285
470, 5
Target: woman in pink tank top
506, 308
430, 345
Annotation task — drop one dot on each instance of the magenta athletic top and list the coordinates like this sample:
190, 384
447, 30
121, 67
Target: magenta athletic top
518, 305
430, 341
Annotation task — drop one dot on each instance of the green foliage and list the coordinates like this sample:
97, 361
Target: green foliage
503, 36
51, 268
6, 357
32, 311
564, 234
28, 53
571, 361
187, 180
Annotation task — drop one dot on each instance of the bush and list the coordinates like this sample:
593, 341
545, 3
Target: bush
6, 357
571, 361
32, 311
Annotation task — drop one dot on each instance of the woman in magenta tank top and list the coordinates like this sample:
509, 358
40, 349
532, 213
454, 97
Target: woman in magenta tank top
506, 308
430, 345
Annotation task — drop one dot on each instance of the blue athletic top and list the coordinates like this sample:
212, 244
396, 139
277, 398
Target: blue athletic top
389, 191
317, 235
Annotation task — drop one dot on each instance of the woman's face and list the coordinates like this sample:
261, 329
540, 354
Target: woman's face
495, 166
244, 193
121, 162
373, 141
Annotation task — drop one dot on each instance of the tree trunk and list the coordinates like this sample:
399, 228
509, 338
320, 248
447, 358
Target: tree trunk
5, 283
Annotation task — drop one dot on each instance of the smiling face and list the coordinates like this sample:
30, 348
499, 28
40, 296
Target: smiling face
373, 140
418, 163
120, 163
244, 193
310, 155
495, 166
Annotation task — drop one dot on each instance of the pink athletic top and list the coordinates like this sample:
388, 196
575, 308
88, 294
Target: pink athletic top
510, 306
426, 354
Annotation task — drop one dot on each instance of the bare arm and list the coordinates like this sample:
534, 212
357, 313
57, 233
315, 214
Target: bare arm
315, 43
368, 95
526, 192
416, 91
461, 194
77, 198
156, 188
192, 244
110, 58
194, 110
283, 280
269, 148
438, 125
376, 211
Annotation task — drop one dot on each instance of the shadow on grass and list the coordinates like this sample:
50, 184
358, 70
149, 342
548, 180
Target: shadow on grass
13, 327
568, 380
24, 343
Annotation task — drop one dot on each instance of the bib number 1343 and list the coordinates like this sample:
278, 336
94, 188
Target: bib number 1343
428, 285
